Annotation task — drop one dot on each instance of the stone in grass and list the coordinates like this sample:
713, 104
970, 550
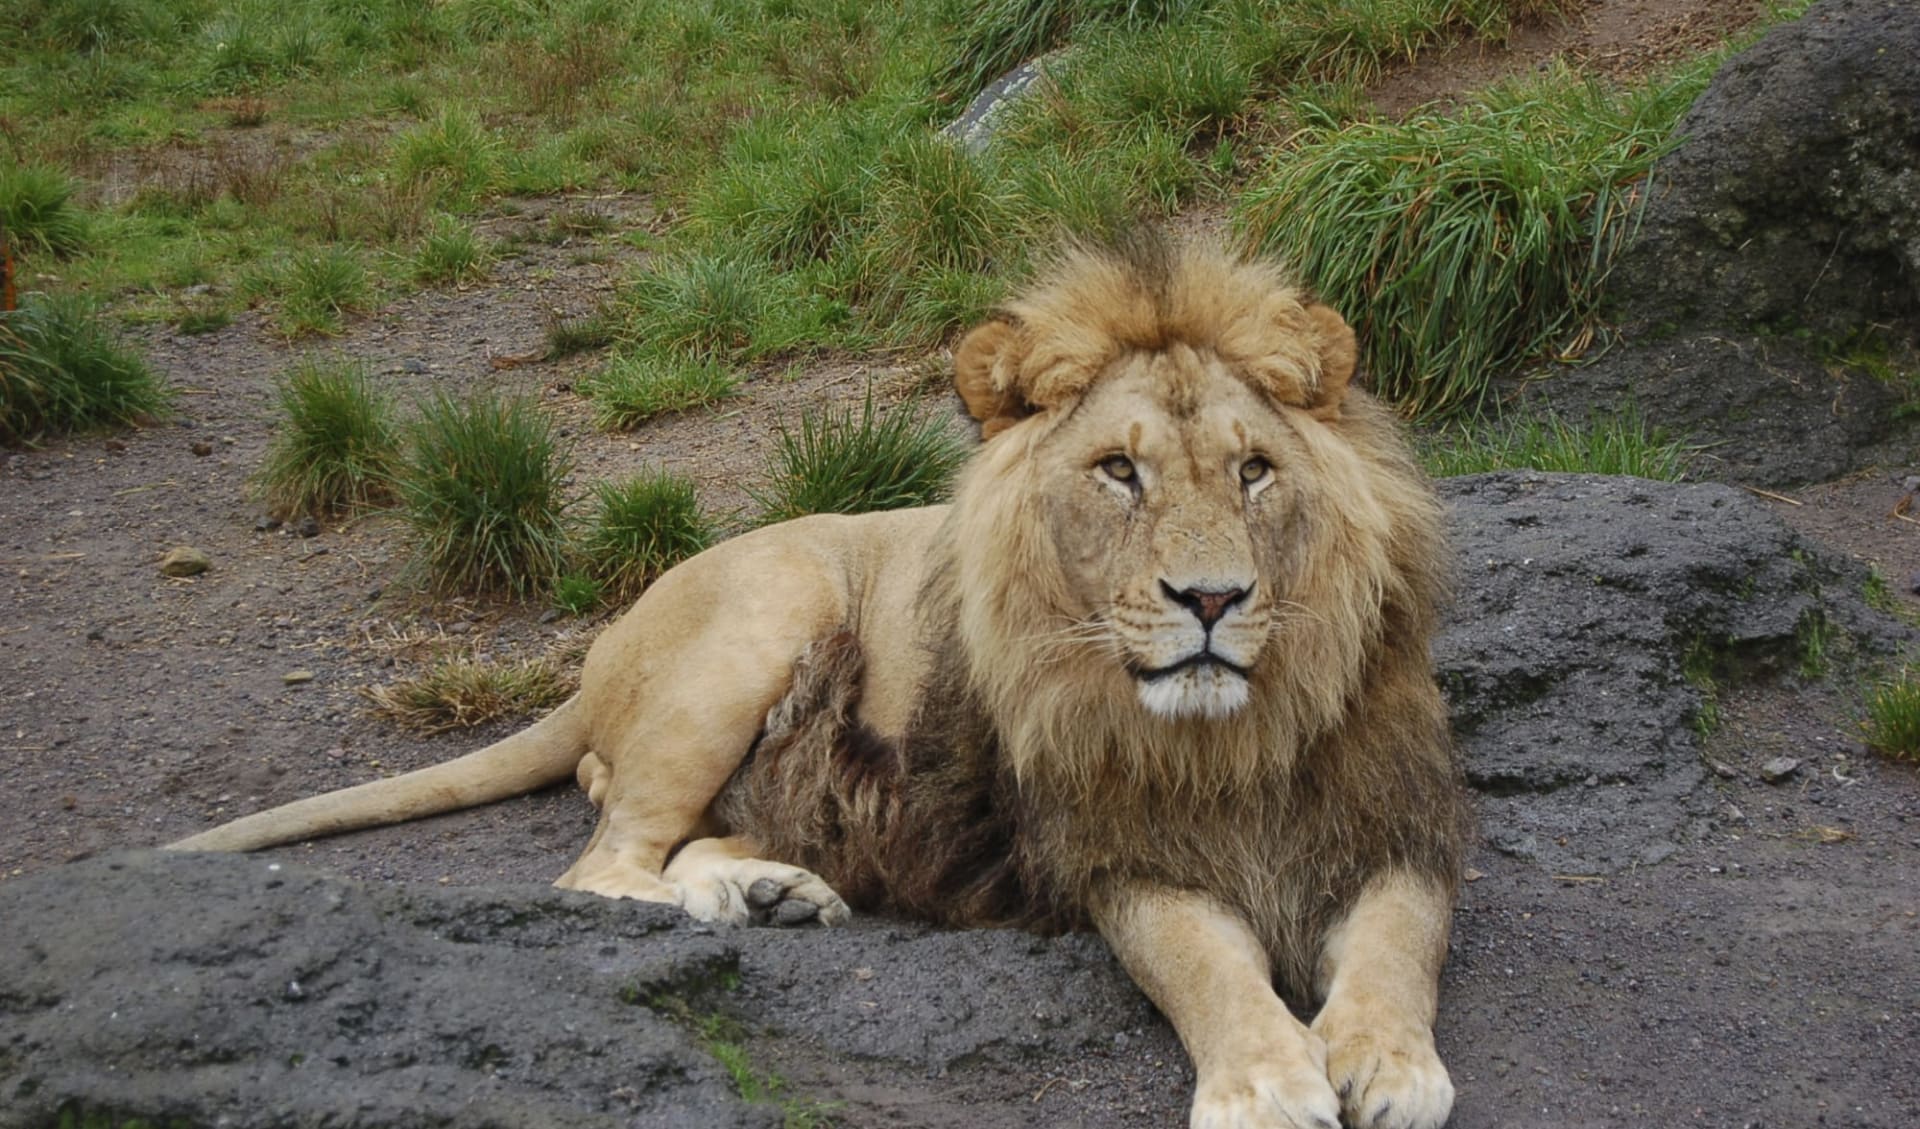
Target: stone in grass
185, 560
1779, 769
296, 677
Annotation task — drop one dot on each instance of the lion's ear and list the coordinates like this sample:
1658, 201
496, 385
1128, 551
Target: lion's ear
982, 353
1338, 353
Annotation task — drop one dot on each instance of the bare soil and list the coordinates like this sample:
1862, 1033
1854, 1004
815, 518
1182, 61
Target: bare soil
1767, 977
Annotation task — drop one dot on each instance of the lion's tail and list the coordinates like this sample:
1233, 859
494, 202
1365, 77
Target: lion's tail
545, 753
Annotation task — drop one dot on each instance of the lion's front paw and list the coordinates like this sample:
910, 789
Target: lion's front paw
1388, 1077
1285, 1093
758, 892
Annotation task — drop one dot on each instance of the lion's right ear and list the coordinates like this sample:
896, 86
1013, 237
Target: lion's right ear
984, 354
1338, 352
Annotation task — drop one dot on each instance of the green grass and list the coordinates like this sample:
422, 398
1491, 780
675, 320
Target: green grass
842, 461
704, 305
567, 336
454, 157
725, 1041
637, 386
641, 528
1463, 245
1701, 667
1893, 716
577, 594
1620, 444
64, 369
37, 212
452, 253
1815, 638
482, 490
338, 448
319, 289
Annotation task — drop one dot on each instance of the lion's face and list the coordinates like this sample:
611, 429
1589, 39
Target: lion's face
1169, 495
1179, 541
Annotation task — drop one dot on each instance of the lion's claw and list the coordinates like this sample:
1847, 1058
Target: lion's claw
1388, 1080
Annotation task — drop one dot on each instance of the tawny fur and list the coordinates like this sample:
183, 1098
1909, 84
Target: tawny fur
1030, 773
1023, 773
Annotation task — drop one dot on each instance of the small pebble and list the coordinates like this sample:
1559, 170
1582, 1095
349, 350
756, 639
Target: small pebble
1778, 769
266, 525
296, 677
185, 560
201, 448
308, 527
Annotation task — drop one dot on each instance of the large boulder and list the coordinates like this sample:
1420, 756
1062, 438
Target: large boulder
1771, 299
1596, 619
1794, 198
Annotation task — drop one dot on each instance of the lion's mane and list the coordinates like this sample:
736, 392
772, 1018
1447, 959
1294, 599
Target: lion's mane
1030, 774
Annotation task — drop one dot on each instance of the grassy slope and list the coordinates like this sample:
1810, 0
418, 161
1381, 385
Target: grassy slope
314, 155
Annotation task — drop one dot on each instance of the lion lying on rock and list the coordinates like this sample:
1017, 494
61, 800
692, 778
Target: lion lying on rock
1161, 668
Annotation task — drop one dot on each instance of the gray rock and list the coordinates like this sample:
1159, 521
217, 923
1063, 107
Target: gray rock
1785, 224
1795, 198
251, 987
309, 527
1584, 602
1779, 769
185, 560
1760, 409
248, 988
973, 129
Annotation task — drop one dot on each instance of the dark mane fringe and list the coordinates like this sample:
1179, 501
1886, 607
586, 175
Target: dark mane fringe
929, 827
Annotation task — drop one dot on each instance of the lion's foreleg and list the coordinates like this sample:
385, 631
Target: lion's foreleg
1257, 1065
1379, 973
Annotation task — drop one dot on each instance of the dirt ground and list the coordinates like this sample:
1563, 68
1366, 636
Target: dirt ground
1768, 976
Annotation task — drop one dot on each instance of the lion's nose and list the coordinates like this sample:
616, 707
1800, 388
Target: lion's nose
1206, 604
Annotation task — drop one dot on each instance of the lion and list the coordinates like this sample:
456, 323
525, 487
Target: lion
1160, 669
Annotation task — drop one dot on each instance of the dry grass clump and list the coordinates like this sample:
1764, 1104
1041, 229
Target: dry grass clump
463, 691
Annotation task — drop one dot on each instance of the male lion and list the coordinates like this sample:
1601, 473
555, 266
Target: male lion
1160, 668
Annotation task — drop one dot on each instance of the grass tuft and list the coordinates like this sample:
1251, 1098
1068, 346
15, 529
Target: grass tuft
37, 211
63, 369
319, 288
452, 253
1465, 245
847, 462
576, 594
1620, 444
642, 528
454, 156
482, 488
1893, 716
462, 692
634, 388
339, 449
567, 336
704, 305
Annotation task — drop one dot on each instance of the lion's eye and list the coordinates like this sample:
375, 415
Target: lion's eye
1255, 469
1118, 467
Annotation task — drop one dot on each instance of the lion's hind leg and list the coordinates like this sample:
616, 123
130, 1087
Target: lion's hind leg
679, 690
723, 880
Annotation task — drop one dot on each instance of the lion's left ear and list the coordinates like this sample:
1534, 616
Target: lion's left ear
982, 364
1338, 352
